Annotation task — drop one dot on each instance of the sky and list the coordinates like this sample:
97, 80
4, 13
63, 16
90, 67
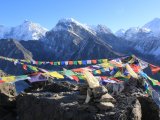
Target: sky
115, 14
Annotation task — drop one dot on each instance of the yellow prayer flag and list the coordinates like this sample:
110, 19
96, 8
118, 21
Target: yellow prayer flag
56, 75
117, 64
119, 74
9, 79
105, 65
59, 63
131, 72
80, 62
105, 60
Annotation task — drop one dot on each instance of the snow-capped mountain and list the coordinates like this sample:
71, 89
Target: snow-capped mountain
120, 33
26, 31
144, 40
101, 29
71, 39
70, 24
154, 27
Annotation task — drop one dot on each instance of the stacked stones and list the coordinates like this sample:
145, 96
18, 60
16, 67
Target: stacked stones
96, 94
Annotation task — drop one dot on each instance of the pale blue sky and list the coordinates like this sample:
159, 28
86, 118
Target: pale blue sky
115, 14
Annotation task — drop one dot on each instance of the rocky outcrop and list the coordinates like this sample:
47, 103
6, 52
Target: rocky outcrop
66, 101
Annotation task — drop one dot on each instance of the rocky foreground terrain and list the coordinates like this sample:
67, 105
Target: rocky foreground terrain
66, 101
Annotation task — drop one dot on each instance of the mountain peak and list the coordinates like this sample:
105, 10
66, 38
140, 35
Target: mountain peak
68, 20
102, 28
154, 26
71, 24
27, 21
120, 32
28, 30
155, 21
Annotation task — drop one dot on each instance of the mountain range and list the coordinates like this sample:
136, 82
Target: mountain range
144, 40
71, 40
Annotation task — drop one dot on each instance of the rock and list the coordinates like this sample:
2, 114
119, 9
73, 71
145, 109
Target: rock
7, 108
105, 105
150, 111
99, 91
83, 89
59, 102
136, 111
89, 95
81, 97
106, 98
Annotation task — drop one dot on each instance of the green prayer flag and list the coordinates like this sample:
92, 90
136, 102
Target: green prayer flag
55, 63
75, 62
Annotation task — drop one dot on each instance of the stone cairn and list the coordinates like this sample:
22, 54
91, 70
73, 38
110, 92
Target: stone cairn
96, 94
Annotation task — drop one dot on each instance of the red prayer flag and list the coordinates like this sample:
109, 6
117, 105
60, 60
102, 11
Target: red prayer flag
78, 70
1, 81
70, 62
103, 77
135, 68
94, 61
75, 78
24, 66
154, 69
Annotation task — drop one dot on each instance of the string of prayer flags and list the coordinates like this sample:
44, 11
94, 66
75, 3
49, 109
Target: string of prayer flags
154, 82
80, 62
